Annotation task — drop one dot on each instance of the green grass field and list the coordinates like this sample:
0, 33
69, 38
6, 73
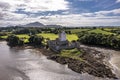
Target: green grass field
100, 31
73, 31
70, 37
24, 36
21, 36
107, 29
4, 37
118, 36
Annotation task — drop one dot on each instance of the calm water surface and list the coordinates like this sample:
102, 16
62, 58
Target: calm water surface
30, 64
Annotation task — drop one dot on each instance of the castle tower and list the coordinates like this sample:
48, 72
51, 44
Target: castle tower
62, 36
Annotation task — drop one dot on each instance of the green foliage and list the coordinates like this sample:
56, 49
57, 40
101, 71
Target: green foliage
100, 39
73, 53
24, 37
3, 33
31, 31
14, 41
100, 31
36, 40
1, 38
117, 31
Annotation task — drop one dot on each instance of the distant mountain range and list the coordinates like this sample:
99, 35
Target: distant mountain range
38, 24
34, 24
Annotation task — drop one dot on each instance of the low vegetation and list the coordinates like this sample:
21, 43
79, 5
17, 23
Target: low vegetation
73, 53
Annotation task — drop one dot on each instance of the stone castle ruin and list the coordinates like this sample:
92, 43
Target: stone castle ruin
60, 43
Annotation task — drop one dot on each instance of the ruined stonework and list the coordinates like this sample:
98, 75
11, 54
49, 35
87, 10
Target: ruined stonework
60, 43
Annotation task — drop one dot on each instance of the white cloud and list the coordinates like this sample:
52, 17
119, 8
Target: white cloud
37, 5
115, 11
80, 20
8, 17
67, 20
70, 20
5, 15
73, 20
118, 1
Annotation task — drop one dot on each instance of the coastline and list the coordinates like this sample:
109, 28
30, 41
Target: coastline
116, 69
81, 66
75, 65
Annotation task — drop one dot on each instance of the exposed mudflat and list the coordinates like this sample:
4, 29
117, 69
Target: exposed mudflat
113, 57
31, 64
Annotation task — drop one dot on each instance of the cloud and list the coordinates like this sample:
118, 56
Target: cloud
8, 15
85, 19
115, 11
5, 15
37, 5
4, 6
80, 20
73, 20
118, 1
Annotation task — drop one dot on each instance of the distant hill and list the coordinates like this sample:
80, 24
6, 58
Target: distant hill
34, 24
38, 24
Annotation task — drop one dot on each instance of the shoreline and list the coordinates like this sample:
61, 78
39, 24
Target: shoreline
116, 69
79, 66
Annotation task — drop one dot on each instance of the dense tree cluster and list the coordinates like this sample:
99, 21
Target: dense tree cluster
36, 40
111, 41
3, 33
1, 38
27, 31
9, 29
14, 41
117, 31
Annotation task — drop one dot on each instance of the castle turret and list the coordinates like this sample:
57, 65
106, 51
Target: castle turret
62, 36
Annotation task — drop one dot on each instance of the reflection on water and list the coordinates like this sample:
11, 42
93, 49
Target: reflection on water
30, 64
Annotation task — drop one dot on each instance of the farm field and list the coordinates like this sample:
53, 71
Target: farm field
100, 31
51, 36
73, 31
70, 37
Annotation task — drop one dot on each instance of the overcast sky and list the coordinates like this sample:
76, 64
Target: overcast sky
62, 12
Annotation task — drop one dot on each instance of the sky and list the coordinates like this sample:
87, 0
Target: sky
60, 12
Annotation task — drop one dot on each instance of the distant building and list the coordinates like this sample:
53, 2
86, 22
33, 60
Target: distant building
60, 43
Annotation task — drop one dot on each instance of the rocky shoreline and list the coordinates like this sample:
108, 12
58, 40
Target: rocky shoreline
92, 63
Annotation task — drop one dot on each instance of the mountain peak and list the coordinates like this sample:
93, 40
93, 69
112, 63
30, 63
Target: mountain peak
34, 24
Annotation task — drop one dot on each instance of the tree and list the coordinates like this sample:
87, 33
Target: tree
36, 40
14, 41
111, 41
